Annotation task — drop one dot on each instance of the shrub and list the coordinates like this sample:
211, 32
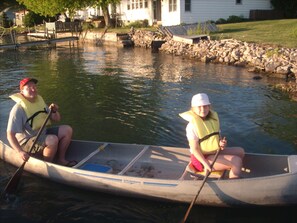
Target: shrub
4, 21
221, 21
235, 19
138, 24
200, 29
145, 23
289, 7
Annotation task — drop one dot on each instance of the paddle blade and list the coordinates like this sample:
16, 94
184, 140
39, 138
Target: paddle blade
14, 181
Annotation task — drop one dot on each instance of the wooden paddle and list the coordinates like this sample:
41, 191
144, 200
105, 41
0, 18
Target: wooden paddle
14, 181
203, 182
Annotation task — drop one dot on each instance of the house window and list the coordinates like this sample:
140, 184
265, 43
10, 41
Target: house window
187, 5
172, 5
132, 4
135, 4
238, 2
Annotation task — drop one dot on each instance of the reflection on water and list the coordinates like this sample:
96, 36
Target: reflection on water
134, 96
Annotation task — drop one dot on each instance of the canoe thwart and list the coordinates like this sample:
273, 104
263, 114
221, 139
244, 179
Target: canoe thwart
129, 165
100, 148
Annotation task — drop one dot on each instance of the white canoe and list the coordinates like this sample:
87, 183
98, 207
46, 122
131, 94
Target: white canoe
155, 172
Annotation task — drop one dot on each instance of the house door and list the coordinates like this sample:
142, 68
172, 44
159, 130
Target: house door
157, 10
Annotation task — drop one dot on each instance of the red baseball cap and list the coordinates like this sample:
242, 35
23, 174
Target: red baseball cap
26, 81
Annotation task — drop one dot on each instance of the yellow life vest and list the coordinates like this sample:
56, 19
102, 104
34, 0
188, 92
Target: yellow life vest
207, 130
36, 111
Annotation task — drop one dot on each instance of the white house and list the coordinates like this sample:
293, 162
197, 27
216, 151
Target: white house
20, 17
87, 13
175, 12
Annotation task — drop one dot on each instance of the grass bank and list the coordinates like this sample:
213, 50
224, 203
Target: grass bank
274, 32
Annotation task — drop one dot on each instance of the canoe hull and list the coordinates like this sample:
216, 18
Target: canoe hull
271, 190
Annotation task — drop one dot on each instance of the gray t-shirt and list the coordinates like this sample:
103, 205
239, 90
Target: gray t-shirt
17, 124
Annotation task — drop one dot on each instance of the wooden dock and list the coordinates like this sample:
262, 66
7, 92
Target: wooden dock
190, 39
39, 42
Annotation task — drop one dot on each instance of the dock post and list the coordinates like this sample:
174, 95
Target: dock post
13, 36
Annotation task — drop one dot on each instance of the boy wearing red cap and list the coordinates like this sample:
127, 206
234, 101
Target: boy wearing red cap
26, 118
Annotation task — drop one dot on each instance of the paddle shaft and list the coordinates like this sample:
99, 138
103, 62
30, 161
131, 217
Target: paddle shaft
13, 182
203, 182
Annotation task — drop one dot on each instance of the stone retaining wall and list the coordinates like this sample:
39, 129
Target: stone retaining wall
281, 62
274, 61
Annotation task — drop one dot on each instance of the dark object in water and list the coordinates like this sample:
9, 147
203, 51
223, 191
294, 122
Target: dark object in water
257, 77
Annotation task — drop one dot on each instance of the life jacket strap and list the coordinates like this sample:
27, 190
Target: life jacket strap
30, 119
208, 136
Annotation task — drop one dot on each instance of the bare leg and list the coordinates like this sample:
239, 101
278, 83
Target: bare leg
64, 135
236, 151
49, 152
229, 159
229, 162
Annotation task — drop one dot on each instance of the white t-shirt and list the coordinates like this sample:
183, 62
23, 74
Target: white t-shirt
191, 133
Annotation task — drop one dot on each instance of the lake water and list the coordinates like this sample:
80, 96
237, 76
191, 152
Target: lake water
134, 96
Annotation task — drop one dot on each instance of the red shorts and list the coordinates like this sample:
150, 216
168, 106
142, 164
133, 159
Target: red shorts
198, 166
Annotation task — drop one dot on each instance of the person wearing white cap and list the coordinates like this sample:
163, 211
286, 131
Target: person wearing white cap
203, 134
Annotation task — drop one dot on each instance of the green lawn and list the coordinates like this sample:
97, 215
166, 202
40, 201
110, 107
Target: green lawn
275, 32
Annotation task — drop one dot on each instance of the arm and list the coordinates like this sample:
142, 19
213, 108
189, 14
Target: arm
16, 146
15, 125
55, 116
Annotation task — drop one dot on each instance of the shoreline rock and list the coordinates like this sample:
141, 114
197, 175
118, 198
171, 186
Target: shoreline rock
277, 62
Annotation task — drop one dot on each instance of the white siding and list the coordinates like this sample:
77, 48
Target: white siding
203, 10
170, 18
136, 14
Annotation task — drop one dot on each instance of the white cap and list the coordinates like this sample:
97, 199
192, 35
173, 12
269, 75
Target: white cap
200, 99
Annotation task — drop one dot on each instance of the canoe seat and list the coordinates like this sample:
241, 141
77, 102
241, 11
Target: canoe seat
200, 175
96, 168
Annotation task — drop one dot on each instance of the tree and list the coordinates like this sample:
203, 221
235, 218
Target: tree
54, 7
103, 4
32, 19
7, 3
289, 7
